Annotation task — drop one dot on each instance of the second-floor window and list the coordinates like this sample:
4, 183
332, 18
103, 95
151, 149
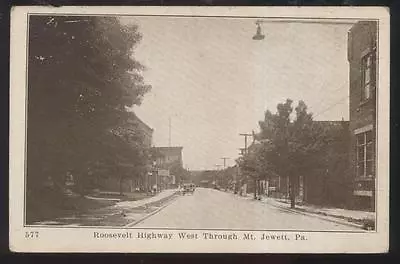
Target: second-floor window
367, 76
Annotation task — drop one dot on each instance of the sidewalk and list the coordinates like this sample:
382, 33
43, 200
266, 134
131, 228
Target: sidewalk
118, 214
354, 215
116, 196
361, 219
133, 204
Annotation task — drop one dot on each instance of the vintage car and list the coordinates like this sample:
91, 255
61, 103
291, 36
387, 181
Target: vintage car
188, 188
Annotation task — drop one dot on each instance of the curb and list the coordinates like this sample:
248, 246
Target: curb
326, 218
169, 199
102, 199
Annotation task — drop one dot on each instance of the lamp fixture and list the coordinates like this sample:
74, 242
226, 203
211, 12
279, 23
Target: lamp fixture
259, 35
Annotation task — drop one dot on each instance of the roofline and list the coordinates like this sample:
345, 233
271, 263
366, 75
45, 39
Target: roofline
141, 121
332, 121
176, 147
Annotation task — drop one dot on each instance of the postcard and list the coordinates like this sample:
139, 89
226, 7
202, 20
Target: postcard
199, 129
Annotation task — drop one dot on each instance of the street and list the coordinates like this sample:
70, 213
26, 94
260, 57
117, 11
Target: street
209, 209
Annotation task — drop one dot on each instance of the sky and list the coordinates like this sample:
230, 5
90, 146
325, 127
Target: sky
213, 81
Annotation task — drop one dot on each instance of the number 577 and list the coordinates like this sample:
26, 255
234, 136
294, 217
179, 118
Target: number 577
31, 234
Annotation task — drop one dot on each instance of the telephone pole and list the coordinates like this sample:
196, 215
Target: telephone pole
216, 174
245, 135
224, 158
169, 126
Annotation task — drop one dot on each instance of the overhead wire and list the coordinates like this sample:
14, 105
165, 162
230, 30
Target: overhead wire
331, 106
333, 91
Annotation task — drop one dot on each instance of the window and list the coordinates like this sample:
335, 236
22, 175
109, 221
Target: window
367, 76
365, 155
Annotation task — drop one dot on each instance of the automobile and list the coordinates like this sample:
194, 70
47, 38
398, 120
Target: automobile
188, 188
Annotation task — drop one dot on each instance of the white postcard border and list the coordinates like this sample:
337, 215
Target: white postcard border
65, 239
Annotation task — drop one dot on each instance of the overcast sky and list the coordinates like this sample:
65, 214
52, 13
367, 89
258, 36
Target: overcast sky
215, 82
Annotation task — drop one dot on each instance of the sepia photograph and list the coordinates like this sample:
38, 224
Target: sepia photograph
145, 123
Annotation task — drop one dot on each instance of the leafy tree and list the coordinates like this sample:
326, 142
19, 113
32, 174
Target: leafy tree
128, 153
226, 176
81, 77
292, 146
250, 165
287, 142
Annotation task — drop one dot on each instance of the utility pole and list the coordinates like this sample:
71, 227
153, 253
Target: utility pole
169, 126
245, 135
216, 174
245, 140
224, 158
224, 174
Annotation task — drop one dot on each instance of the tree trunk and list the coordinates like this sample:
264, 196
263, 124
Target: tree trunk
292, 193
120, 185
255, 188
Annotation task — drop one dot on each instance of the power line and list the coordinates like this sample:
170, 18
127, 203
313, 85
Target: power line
323, 86
331, 106
337, 89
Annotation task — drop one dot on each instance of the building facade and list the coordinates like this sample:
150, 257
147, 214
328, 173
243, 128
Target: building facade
329, 182
167, 168
169, 156
362, 57
141, 182
145, 130
133, 182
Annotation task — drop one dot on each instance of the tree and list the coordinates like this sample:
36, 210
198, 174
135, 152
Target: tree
291, 145
250, 165
81, 78
289, 141
226, 176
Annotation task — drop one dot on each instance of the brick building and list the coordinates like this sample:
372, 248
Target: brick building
145, 130
168, 167
132, 182
329, 183
362, 49
169, 156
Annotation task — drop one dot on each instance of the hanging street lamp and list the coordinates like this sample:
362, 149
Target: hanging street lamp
259, 35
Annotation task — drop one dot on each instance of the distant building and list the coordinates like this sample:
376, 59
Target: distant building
168, 161
362, 57
205, 178
197, 177
168, 156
